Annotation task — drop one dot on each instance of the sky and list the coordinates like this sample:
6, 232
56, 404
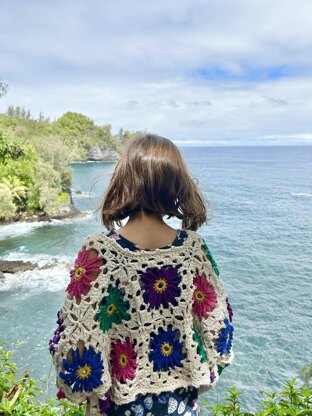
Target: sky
206, 72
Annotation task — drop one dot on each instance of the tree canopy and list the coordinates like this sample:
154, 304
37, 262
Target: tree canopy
35, 157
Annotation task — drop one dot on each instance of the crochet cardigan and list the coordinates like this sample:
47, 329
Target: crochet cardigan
151, 321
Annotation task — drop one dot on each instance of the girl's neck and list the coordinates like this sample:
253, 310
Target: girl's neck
148, 230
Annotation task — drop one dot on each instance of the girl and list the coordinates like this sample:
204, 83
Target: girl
146, 324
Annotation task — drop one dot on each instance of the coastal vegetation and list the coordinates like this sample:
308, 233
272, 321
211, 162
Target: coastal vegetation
35, 157
19, 396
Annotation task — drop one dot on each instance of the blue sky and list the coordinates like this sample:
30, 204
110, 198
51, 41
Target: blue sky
215, 72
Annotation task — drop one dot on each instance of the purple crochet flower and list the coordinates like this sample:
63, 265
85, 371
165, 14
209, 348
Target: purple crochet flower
212, 376
161, 286
229, 308
104, 404
57, 334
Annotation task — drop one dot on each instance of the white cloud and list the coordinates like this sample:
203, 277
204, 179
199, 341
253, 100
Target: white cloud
191, 70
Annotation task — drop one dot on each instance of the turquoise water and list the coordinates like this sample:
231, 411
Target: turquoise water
260, 236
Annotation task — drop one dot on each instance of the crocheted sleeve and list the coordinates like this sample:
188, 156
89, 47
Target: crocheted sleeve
212, 314
79, 351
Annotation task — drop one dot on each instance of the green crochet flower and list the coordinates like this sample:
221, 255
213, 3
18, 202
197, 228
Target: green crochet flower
220, 368
112, 309
213, 263
200, 348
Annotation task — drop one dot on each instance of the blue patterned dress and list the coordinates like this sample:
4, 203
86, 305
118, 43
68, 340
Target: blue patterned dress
180, 402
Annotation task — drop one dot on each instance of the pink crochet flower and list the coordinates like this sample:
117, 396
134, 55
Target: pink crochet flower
204, 298
79, 274
60, 395
123, 359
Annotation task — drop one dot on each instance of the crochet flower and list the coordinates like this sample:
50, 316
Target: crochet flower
225, 338
229, 308
79, 274
212, 376
60, 395
83, 373
112, 309
212, 261
57, 334
166, 349
123, 359
161, 286
220, 368
204, 298
200, 348
104, 404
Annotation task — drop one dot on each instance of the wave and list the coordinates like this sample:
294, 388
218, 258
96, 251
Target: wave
24, 227
248, 202
51, 275
20, 228
84, 194
302, 194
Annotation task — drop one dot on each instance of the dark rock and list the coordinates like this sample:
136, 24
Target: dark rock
96, 154
47, 266
18, 266
15, 266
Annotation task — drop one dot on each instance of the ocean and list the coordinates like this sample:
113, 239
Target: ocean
260, 235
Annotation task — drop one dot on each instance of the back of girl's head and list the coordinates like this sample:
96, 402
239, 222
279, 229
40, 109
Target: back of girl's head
151, 175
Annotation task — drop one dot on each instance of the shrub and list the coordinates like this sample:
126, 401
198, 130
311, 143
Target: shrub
43, 193
20, 131
19, 394
292, 400
16, 187
35, 176
7, 206
63, 197
19, 397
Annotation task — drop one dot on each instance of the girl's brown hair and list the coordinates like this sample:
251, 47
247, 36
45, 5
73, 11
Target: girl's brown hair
151, 175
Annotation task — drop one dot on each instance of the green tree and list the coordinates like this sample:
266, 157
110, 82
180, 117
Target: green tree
15, 148
23, 113
7, 206
3, 88
54, 151
43, 193
27, 144
10, 111
17, 189
41, 118
76, 129
18, 111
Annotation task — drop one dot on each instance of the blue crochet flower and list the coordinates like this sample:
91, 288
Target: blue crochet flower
225, 338
83, 373
166, 349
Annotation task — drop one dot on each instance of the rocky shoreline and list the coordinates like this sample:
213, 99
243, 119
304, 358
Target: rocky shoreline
64, 212
67, 210
18, 266
96, 154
